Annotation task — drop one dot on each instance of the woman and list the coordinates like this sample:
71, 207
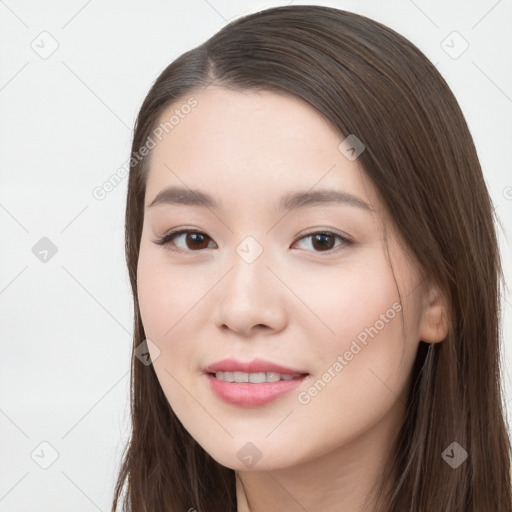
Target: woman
316, 280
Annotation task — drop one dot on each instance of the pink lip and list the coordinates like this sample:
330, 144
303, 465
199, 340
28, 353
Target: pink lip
254, 366
248, 394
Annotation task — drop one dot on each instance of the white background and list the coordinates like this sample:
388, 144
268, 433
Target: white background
65, 127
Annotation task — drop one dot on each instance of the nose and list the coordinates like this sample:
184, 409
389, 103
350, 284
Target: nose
252, 299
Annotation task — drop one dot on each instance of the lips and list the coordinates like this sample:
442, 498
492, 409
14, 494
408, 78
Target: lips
254, 366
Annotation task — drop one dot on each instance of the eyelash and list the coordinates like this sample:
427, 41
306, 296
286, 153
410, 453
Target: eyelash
166, 239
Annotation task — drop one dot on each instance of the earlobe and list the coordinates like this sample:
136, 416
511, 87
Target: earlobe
434, 324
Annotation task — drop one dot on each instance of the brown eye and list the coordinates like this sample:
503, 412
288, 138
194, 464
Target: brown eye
192, 241
324, 241
196, 240
189, 240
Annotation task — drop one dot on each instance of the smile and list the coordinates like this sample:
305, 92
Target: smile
255, 378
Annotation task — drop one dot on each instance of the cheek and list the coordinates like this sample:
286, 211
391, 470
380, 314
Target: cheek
348, 298
359, 332
164, 299
363, 355
151, 297
163, 295
169, 303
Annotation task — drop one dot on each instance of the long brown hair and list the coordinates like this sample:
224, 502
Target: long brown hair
367, 80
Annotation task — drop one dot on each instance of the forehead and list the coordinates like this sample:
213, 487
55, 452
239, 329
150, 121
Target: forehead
256, 143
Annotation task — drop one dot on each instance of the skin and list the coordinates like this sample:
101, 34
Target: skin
297, 304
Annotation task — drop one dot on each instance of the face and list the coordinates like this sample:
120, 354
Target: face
308, 285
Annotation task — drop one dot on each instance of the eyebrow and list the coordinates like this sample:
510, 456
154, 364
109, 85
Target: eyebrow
292, 201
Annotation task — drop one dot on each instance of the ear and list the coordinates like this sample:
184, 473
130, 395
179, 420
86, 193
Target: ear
434, 324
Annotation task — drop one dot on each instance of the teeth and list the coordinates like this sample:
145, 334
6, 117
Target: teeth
255, 378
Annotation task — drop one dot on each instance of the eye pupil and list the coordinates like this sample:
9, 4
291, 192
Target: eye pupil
322, 238
195, 237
